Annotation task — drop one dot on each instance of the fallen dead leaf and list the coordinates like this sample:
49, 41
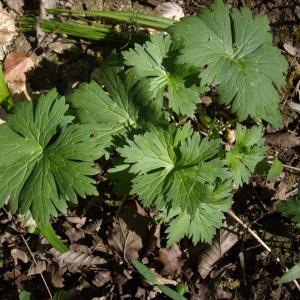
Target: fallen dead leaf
57, 277
221, 244
16, 5
126, 242
101, 278
18, 254
283, 139
74, 260
7, 30
16, 65
169, 10
170, 259
77, 220
291, 50
74, 234
37, 269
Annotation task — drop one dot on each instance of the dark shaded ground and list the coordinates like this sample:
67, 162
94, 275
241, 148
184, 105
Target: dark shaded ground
245, 272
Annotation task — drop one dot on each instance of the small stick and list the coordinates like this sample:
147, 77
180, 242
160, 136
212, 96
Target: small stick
253, 233
286, 166
33, 258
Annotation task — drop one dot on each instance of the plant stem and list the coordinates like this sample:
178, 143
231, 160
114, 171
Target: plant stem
145, 20
94, 32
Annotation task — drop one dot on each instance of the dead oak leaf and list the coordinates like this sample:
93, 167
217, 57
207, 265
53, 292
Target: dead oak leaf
73, 260
7, 30
125, 241
170, 259
18, 254
221, 244
16, 65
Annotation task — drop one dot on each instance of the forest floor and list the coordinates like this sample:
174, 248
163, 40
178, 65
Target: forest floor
107, 232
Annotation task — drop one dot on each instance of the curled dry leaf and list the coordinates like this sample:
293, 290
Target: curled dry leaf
7, 30
74, 234
19, 254
170, 259
283, 139
16, 5
221, 244
74, 260
37, 269
102, 277
57, 277
291, 50
77, 220
169, 10
126, 242
16, 65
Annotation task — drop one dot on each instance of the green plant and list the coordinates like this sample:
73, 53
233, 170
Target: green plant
147, 122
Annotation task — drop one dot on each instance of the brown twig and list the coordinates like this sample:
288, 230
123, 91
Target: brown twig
254, 234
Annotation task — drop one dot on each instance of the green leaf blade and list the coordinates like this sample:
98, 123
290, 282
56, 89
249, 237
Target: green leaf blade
45, 161
237, 50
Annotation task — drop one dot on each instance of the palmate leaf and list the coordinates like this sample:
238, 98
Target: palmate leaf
44, 160
150, 65
109, 115
247, 152
237, 50
176, 168
114, 113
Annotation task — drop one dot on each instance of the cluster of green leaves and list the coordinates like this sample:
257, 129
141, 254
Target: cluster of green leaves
141, 115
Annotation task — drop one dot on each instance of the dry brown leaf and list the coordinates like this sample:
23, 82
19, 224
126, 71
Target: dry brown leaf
74, 260
101, 278
7, 30
19, 254
169, 10
283, 139
170, 259
221, 244
81, 248
16, 65
16, 5
56, 277
77, 220
37, 269
98, 245
126, 242
74, 235
291, 50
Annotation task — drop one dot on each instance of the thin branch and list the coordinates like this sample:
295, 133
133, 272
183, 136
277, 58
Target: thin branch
254, 234
32, 256
287, 166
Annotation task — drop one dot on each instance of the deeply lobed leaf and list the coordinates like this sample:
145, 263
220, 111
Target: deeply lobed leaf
236, 53
45, 161
153, 64
178, 169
